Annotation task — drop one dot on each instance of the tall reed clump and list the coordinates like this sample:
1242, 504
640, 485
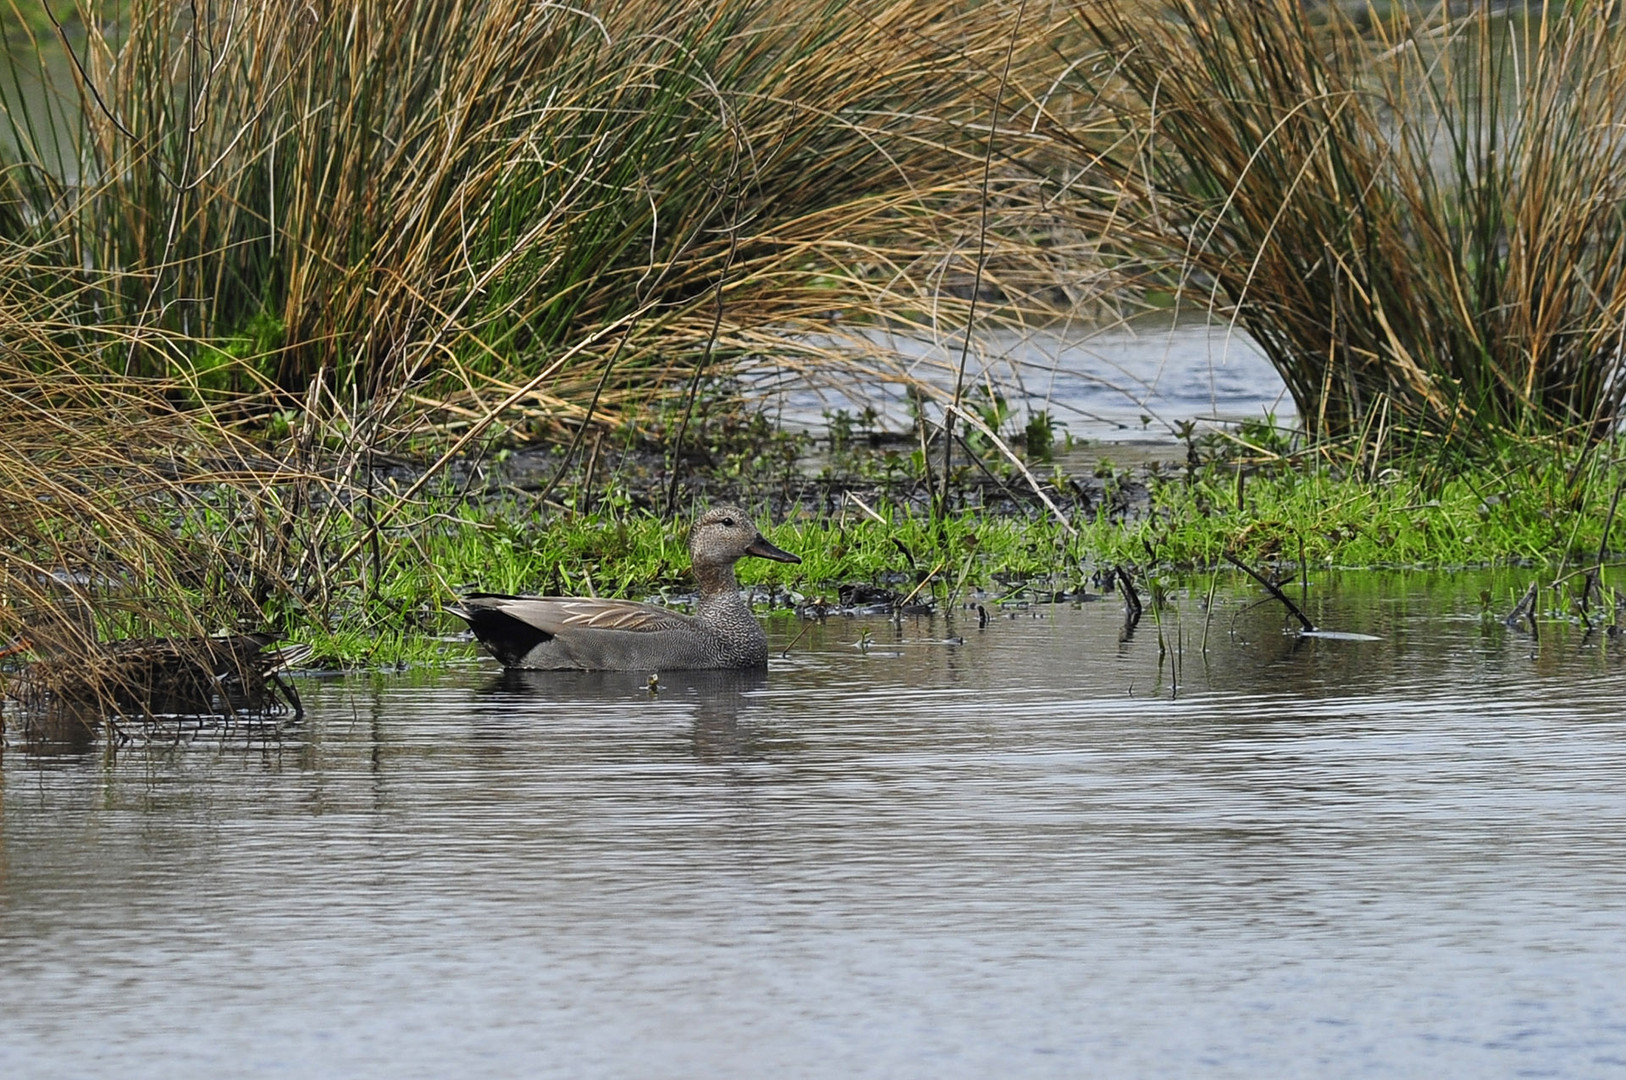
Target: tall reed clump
138, 506
1421, 219
499, 190
355, 217
127, 509
98, 481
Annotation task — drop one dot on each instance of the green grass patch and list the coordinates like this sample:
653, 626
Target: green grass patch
1511, 513
1480, 517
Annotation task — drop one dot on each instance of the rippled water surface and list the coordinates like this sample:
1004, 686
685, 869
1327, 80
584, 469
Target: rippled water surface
1030, 853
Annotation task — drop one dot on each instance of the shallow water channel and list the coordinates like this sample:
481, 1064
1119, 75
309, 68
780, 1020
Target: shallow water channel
1113, 383
1027, 853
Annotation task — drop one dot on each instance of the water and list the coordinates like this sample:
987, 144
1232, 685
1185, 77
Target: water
1114, 382
1028, 854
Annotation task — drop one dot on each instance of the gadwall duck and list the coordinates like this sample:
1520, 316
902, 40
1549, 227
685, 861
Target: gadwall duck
553, 633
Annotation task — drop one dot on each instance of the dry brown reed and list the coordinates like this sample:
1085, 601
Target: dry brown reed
1418, 217
278, 245
135, 509
453, 192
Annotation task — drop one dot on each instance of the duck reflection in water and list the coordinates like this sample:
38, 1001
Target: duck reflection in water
717, 698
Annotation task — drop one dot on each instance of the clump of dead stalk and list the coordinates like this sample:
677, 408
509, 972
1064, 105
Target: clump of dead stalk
456, 204
1416, 213
272, 251
136, 548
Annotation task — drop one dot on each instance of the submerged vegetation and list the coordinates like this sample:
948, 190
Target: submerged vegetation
279, 294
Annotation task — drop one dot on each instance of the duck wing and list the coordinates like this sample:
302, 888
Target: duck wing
567, 631
554, 614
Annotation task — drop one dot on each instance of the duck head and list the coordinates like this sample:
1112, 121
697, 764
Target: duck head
726, 534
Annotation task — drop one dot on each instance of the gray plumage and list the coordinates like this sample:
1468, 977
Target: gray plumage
559, 632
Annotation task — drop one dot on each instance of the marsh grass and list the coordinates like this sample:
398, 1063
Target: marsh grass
298, 272
446, 200
117, 519
118, 523
1418, 217
1527, 511
273, 254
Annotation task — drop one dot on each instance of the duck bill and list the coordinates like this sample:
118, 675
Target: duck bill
762, 549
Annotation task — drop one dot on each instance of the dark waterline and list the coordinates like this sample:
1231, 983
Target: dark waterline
1024, 855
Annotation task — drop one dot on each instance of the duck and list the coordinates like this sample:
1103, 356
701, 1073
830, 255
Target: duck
559, 633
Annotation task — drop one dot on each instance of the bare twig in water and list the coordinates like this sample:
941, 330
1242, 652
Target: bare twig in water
1608, 521
1583, 603
785, 652
1274, 590
1132, 609
1208, 609
1592, 577
1525, 610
